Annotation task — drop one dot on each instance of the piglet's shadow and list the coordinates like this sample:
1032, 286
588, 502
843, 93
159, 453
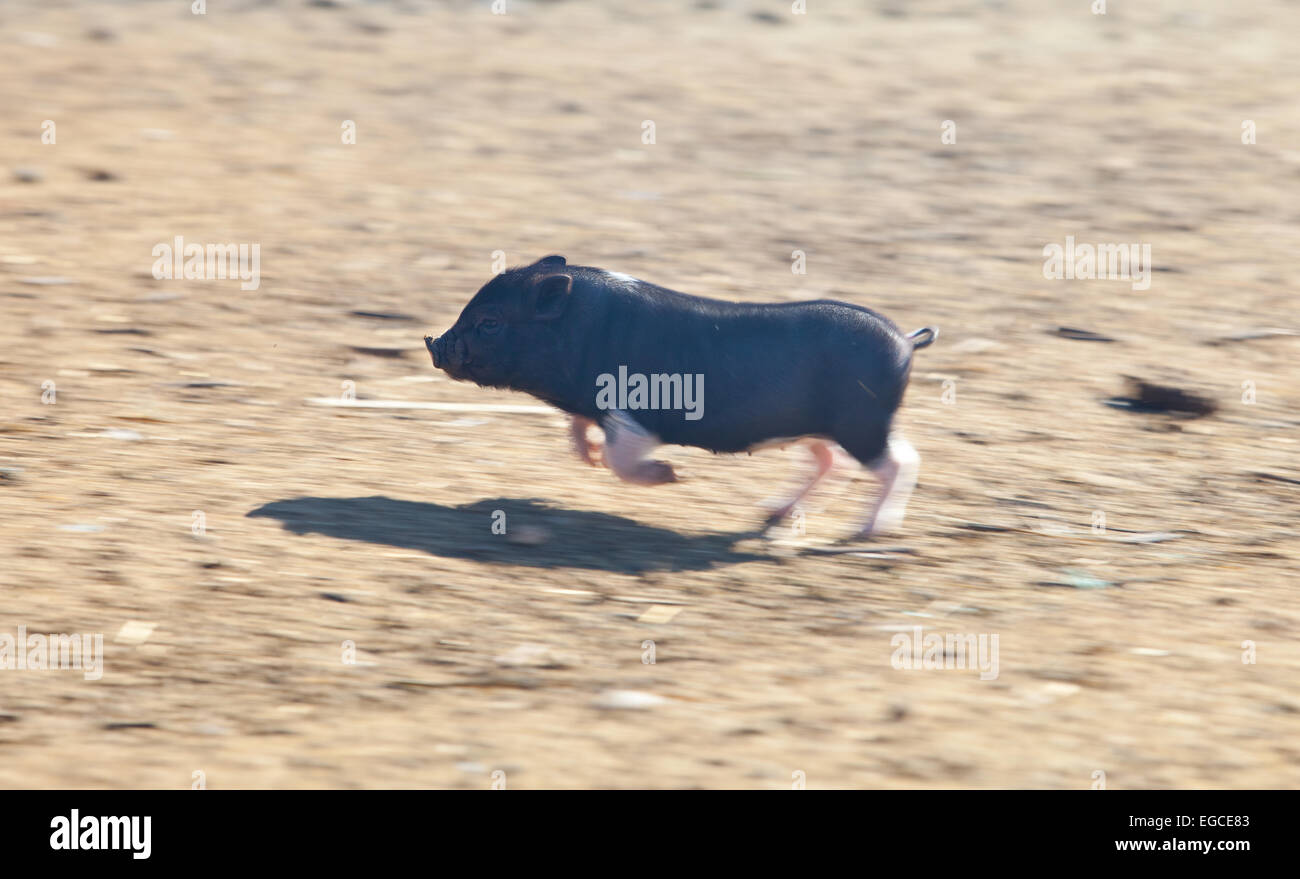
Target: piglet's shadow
556, 537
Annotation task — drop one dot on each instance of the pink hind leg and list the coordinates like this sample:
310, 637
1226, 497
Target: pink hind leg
896, 469
824, 457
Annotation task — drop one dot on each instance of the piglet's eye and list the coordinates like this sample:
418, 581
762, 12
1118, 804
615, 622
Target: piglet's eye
489, 325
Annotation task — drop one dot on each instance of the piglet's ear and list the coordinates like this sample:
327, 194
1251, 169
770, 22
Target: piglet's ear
556, 261
552, 296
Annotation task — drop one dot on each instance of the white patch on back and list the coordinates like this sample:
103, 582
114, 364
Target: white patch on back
626, 280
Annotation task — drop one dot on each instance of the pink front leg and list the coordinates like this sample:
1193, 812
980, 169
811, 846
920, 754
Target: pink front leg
626, 446
587, 451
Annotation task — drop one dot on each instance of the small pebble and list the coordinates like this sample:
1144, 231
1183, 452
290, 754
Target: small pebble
627, 700
659, 614
134, 632
532, 656
38, 39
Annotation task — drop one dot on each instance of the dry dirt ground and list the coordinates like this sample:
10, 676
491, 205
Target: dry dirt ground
1119, 652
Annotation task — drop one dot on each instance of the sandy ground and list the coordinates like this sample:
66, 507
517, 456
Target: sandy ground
1119, 652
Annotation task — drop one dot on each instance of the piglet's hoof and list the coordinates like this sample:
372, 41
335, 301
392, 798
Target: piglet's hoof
656, 473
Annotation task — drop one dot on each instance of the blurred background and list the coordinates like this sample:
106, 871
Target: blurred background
253, 495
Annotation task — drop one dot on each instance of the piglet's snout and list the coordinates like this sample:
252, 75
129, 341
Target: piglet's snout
448, 351
437, 350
